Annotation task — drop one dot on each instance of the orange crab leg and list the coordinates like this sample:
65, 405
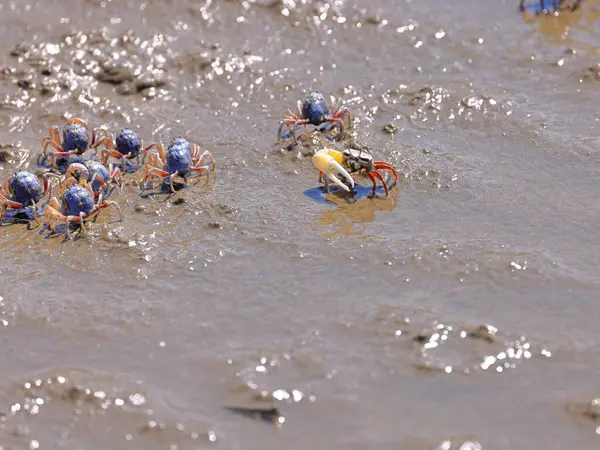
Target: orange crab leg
290, 121
152, 171
344, 112
115, 175
206, 155
9, 204
62, 154
159, 147
376, 175
386, 166
107, 141
99, 178
101, 205
54, 137
77, 121
337, 120
47, 183
95, 132
50, 143
110, 153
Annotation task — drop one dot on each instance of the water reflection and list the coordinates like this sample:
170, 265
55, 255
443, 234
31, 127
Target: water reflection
539, 7
353, 209
556, 17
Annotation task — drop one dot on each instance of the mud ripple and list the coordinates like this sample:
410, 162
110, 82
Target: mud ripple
270, 380
431, 106
585, 413
435, 346
71, 407
72, 67
590, 74
475, 259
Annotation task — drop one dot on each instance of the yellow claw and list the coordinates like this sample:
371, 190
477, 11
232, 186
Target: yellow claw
330, 162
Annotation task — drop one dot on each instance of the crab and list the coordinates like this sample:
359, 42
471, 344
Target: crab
333, 162
181, 159
23, 190
539, 7
95, 173
75, 140
77, 204
125, 147
314, 110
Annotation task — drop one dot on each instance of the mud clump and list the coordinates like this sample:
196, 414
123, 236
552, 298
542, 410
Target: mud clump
591, 73
589, 411
450, 348
78, 62
5, 153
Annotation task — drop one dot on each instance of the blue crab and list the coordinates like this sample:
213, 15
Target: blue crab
23, 190
95, 173
75, 140
314, 110
181, 159
77, 204
125, 147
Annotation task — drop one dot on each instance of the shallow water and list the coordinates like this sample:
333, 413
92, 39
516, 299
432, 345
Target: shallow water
459, 312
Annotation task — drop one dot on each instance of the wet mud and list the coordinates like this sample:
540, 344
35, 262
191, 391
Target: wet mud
262, 311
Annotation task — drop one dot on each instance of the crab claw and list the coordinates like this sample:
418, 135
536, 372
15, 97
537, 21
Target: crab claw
324, 161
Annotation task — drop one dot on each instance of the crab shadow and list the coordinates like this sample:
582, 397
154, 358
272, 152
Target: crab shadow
163, 189
353, 210
23, 216
60, 231
554, 18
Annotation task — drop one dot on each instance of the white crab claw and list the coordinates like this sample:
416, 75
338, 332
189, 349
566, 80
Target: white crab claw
323, 161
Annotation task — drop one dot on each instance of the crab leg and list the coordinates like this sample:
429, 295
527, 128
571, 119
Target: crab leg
115, 175
114, 205
76, 121
74, 219
9, 204
108, 145
159, 147
337, 120
79, 169
52, 214
50, 143
323, 161
110, 153
376, 175
152, 171
171, 176
290, 120
67, 183
100, 180
344, 112
206, 155
34, 210
47, 183
61, 154
54, 136
96, 131
386, 166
